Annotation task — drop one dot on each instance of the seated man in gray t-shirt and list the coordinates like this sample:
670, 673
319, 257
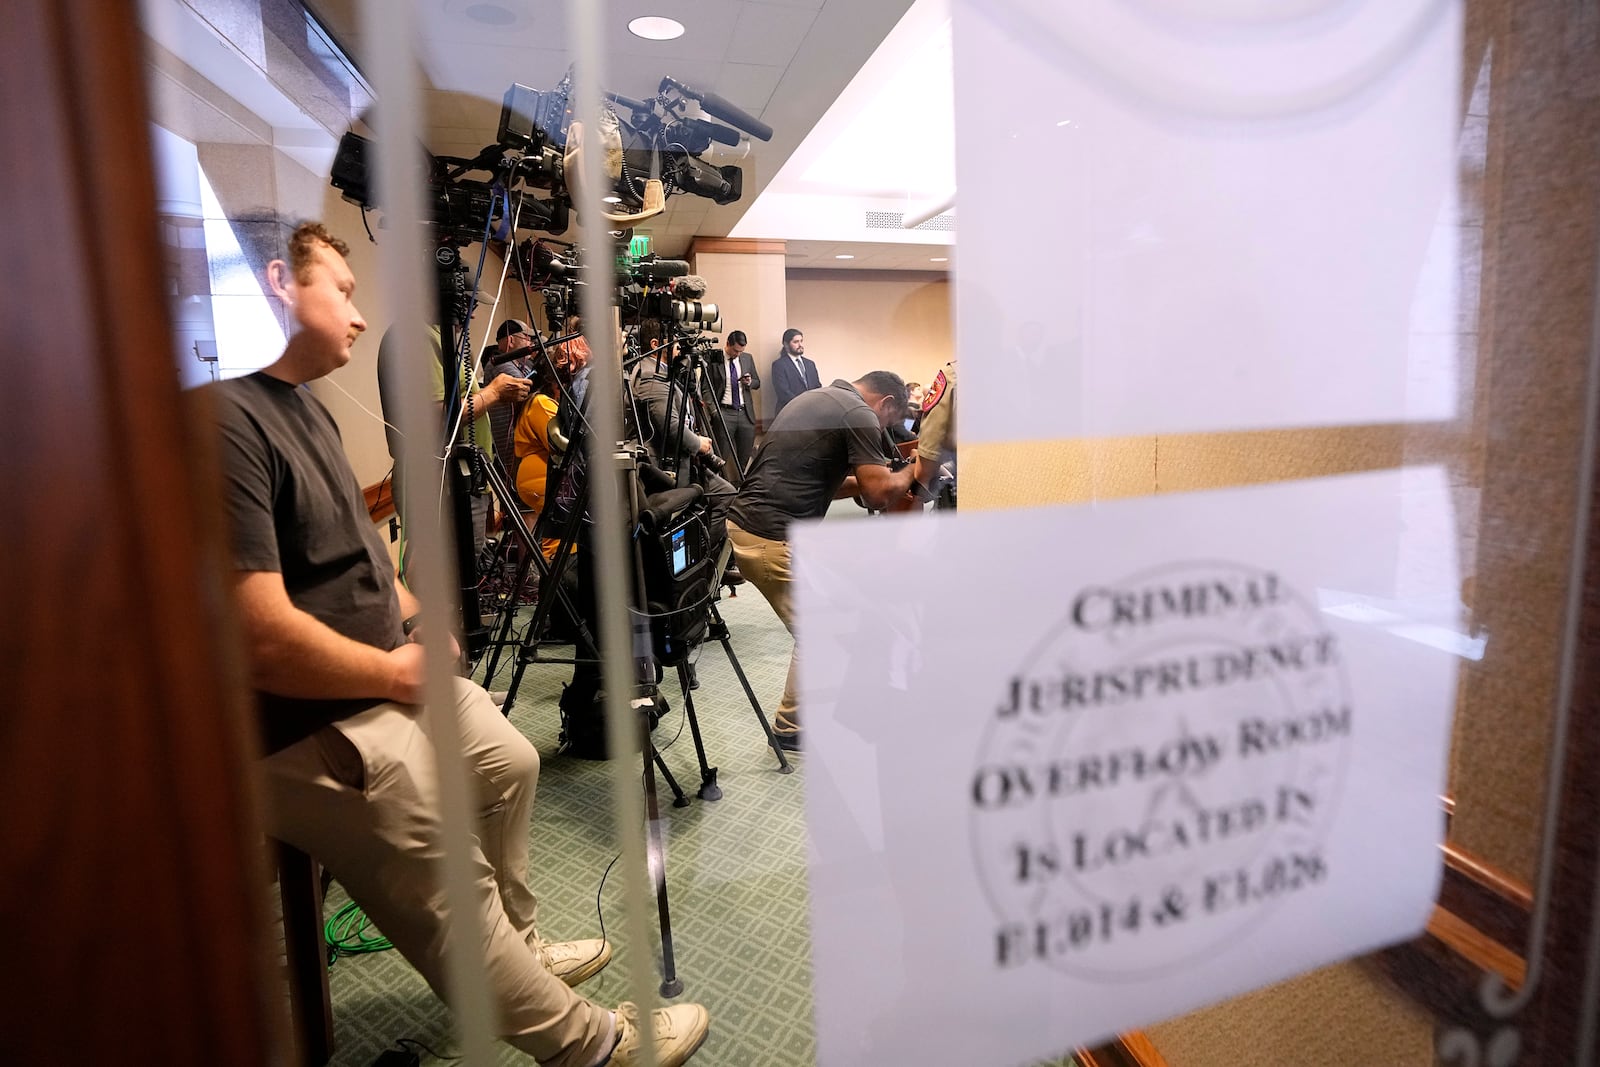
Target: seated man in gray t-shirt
819, 444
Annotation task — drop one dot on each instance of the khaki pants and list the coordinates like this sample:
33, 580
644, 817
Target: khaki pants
362, 796
766, 564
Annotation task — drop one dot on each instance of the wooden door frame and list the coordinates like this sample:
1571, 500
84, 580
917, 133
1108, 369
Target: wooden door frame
135, 883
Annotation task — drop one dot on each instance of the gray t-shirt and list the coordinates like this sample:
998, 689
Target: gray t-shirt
671, 436
816, 441
295, 507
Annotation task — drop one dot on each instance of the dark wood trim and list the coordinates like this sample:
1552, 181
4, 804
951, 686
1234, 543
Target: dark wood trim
737, 246
1132, 1049
1434, 975
306, 953
865, 274
1471, 943
1480, 926
135, 883
1565, 992
380, 499
1493, 903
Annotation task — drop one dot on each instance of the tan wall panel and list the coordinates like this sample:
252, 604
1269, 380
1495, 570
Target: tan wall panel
1035, 474
855, 325
1023, 474
749, 289
1188, 462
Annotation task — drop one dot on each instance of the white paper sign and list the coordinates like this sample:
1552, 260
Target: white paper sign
1206, 215
1199, 749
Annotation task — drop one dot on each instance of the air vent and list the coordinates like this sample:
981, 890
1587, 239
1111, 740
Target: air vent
891, 220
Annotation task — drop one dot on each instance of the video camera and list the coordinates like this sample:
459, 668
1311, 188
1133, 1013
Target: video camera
665, 138
647, 286
464, 209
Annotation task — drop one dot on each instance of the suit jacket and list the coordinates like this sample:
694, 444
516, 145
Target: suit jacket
788, 383
717, 376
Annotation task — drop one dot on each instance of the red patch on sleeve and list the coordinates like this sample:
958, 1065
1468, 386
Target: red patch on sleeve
935, 393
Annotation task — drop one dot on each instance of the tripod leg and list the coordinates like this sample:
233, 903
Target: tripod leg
509, 619
679, 800
549, 586
727, 646
709, 789
516, 681
656, 861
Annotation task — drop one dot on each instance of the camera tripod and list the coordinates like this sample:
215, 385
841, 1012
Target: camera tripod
565, 506
645, 512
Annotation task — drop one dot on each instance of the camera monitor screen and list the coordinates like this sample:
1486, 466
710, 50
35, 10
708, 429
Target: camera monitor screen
680, 551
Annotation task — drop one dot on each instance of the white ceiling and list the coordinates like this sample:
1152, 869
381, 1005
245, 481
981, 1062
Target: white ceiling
886, 146
783, 61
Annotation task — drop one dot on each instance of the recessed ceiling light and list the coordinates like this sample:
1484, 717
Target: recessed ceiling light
846, 256
656, 28
939, 259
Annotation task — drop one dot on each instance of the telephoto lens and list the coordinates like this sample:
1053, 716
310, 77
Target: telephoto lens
696, 311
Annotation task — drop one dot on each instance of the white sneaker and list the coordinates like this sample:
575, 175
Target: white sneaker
679, 1031
575, 961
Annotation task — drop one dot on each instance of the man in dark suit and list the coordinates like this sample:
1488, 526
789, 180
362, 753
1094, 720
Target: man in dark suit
734, 381
792, 372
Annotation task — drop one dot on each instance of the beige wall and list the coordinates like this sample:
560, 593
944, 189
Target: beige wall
859, 321
748, 288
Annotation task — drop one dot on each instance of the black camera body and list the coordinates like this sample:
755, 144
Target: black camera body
463, 209
530, 118
657, 138
678, 582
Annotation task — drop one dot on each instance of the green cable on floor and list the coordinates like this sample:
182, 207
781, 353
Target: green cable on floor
350, 933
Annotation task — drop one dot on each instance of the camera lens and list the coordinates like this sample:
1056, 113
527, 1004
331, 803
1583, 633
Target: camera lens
697, 311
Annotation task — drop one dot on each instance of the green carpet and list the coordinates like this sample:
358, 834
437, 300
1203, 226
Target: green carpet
735, 868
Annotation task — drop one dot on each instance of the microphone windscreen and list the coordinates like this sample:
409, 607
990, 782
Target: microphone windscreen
660, 269
690, 287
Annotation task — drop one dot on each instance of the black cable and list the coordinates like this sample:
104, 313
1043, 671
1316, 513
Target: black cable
385, 480
681, 719
598, 913
407, 1041
710, 596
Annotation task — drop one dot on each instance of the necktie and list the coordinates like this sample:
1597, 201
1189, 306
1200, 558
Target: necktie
733, 384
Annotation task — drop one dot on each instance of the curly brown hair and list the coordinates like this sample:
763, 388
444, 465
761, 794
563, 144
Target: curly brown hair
303, 245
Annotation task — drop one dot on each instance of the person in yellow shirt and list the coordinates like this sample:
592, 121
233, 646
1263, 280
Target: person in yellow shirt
532, 445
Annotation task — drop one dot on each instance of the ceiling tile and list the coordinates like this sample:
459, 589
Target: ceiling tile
531, 24
770, 35
708, 26
748, 85
488, 70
